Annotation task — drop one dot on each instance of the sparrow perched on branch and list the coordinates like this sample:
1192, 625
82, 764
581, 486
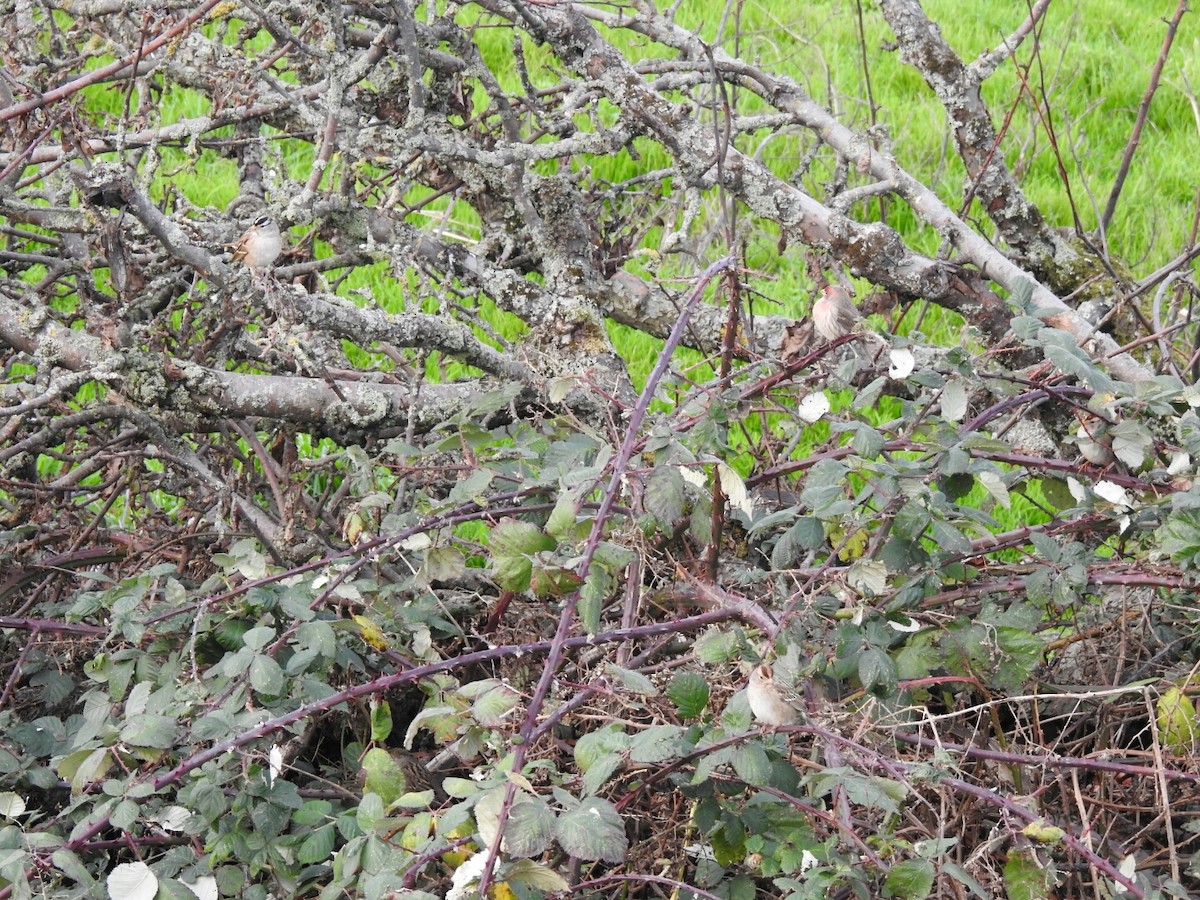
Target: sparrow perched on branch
260, 245
771, 701
834, 313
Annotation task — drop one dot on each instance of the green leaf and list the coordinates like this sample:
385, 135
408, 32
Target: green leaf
443, 564
55, 686
665, 494
752, 764
591, 599
876, 670
806, 534
1131, 443
257, 638
1026, 879
1056, 492
318, 845
593, 831
530, 824
911, 520
954, 401
381, 719
717, 645
537, 876
491, 708
600, 743
1022, 294
1061, 350
959, 874
632, 681
602, 769
1176, 716
124, 814
266, 677
70, 865
158, 732
911, 879
689, 692
513, 544
383, 776
870, 791
950, 539
370, 811
657, 743
867, 442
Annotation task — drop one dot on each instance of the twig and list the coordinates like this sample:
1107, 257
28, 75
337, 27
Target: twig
1143, 113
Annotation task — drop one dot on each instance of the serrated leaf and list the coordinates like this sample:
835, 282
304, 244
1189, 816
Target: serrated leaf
911, 879
1026, 878
1073, 361
689, 692
593, 831
954, 401
131, 881
370, 632
537, 876
591, 599
1176, 716
867, 442
492, 707
72, 866
158, 732
317, 845
11, 805
257, 638
381, 719
717, 645
369, 811
752, 764
513, 544
530, 825
911, 520
1131, 441
266, 677
805, 534
868, 577
600, 771
876, 670
1043, 832
595, 745
993, 483
444, 564
950, 539
656, 744
632, 681
665, 495
383, 776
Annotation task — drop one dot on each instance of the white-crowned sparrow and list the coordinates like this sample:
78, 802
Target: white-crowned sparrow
834, 313
771, 701
260, 245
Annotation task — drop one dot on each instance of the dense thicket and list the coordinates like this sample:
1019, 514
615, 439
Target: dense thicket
434, 554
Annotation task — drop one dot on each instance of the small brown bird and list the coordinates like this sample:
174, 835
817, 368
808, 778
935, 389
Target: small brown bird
417, 778
834, 313
772, 702
260, 245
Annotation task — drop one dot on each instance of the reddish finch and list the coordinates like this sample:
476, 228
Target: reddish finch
834, 314
772, 702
